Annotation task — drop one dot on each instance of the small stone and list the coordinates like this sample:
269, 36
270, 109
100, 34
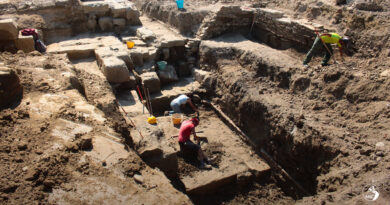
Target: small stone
48, 185
379, 145
366, 151
244, 178
32, 174
25, 168
138, 178
86, 143
379, 154
22, 146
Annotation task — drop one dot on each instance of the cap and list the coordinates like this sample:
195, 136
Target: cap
345, 40
195, 120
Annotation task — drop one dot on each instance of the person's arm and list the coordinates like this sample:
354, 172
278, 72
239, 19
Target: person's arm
192, 105
194, 133
340, 50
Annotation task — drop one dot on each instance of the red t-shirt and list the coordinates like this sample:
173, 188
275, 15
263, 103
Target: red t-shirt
185, 130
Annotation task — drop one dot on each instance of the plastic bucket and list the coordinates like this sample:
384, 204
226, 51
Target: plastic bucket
180, 4
176, 118
161, 65
130, 44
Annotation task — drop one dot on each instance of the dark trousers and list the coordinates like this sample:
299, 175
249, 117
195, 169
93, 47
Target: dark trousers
319, 46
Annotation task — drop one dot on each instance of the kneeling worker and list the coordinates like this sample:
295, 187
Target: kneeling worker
180, 101
187, 146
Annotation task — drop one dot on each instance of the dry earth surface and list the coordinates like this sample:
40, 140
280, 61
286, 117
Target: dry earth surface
329, 128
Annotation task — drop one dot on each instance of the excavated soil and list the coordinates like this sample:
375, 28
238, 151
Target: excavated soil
326, 126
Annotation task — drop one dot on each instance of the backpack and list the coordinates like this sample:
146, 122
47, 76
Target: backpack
29, 32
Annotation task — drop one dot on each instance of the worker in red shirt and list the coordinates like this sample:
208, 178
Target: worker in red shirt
187, 146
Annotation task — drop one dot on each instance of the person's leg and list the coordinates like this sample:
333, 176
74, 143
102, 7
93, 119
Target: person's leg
314, 48
175, 107
327, 54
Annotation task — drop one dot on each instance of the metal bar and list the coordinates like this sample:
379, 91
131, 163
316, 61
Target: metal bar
150, 101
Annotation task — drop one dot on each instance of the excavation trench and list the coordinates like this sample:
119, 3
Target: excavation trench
260, 140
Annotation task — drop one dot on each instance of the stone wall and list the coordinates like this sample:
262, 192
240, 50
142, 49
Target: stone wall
187, 22
279, 31
227, 19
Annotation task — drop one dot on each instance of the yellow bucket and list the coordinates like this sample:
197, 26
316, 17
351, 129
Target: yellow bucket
152, 120
176, 118
130, 44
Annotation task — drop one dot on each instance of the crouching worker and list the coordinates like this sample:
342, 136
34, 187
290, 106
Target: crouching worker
187, 146
178, 103
323, 44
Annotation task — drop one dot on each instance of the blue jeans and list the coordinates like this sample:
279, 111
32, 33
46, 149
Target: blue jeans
175, 107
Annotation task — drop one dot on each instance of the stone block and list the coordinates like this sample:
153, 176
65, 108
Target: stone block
132, 14
8, 30
172, 42
211, 185
168, 75
105, 23
152, 54
151, 81
115, 70
147, 67
25, 43
165, 52
271, 13
367, 5
118, 10
62, 2
95, 7
183, 69
145, 34
10, 88
120, 22
204, 79
104, 52
139, 55
92, 23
